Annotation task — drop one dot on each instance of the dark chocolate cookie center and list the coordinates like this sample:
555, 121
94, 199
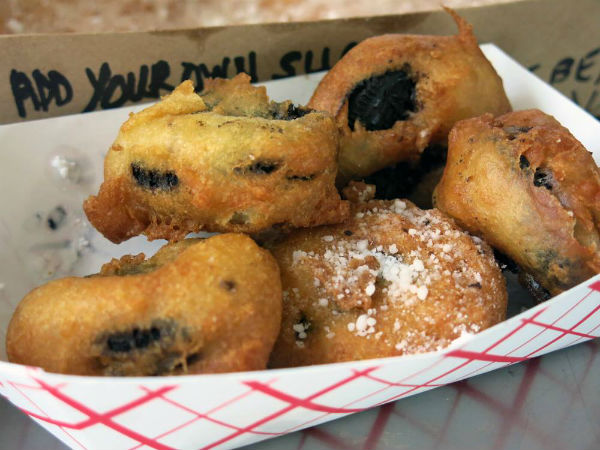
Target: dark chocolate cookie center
154, 179
292, 112
513, 131
301, 177
380, 101
523, 162
261, 167
543, 178
136, 338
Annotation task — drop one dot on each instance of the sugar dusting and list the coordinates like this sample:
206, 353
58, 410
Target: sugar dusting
361, 275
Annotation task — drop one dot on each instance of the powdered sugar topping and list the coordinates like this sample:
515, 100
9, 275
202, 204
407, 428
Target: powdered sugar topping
386, 262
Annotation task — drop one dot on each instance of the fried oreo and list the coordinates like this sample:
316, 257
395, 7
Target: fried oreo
225, 160
197, 306
392, 280
394, 95
530, 189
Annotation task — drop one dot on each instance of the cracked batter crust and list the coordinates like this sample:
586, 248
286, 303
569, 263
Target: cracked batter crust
226, 160
197, 306
395, 94
523, 183
391, 280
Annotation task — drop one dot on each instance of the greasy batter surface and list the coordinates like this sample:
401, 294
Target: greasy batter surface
197, 306
391, 280
226, 160
530, 189
393, 95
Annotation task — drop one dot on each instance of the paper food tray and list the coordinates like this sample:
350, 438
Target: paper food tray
228, 410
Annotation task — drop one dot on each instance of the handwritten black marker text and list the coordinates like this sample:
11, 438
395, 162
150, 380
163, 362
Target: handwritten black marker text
200, 71
289, 59
112, 91
41, 91
584, 71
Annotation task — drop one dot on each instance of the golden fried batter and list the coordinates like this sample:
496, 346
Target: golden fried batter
391, 280
197, 306
225, 160
395, 94
529, 188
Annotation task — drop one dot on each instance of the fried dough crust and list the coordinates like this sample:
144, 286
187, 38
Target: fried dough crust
226, 160
523, 183
446, 79
197, 306
391, 280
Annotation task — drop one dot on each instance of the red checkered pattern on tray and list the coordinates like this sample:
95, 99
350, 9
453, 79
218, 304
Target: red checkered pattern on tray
229, 412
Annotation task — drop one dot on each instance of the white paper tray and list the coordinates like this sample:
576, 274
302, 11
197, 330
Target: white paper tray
230, 410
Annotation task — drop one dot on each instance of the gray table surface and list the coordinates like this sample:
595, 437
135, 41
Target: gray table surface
551, 402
